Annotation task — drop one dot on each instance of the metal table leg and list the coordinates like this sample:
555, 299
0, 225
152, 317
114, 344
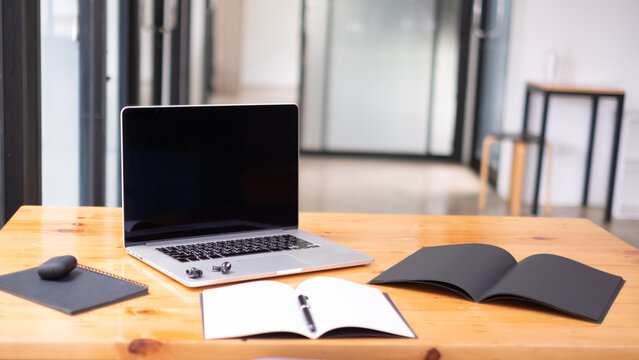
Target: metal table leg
613, 161
524, 128
591, 140
540, 153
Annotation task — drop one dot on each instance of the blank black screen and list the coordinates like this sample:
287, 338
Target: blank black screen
198, 170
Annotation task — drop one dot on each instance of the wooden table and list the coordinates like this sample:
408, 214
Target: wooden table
166, 324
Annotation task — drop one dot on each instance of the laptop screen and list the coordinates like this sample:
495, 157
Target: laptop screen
197, 170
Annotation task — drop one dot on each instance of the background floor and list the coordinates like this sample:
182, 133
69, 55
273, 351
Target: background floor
366, 185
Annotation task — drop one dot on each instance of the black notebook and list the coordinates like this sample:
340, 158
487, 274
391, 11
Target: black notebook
82, 290
483, 272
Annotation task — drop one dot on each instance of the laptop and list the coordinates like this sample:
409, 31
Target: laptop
209, 185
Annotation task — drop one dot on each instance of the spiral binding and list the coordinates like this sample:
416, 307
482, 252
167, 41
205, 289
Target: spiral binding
111, 275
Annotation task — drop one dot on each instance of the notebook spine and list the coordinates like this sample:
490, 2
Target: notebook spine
88, 268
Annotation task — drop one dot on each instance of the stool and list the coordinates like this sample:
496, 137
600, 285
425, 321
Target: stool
517, 170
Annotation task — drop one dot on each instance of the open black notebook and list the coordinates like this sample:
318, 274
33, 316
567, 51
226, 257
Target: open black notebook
483, 272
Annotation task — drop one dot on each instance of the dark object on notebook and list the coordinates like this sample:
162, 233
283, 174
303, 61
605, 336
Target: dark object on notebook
83, 289
483, 272
57, 267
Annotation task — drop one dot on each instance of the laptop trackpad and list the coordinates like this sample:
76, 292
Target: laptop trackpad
272, 263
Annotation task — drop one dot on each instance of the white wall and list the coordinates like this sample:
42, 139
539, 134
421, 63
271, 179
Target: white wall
270, 43
595, 43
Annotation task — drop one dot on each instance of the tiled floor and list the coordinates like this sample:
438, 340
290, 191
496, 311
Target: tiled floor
366, 185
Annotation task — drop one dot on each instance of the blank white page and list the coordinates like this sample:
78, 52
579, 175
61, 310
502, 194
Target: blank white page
249, 309
337, 303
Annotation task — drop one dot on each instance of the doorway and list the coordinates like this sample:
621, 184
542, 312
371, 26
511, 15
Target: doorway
491, 28
384, 77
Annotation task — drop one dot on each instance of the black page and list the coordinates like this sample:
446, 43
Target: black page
468, 269
560, 283
80, 291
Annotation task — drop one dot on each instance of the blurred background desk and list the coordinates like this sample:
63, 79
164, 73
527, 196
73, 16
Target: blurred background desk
166, 323
569, 90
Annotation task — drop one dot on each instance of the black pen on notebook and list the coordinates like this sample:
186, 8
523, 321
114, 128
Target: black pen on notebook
307, 312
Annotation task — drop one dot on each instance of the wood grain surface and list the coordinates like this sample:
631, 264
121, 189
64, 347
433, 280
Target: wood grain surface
166, 324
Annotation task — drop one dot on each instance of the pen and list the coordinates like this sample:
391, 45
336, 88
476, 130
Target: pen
307, 312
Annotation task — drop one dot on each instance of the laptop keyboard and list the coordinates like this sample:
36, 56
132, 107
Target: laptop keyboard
218, 249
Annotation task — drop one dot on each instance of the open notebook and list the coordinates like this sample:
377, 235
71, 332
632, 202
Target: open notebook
482, 272
338, 308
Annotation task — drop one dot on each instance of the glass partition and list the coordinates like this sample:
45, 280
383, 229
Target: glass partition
380, 76
60, 67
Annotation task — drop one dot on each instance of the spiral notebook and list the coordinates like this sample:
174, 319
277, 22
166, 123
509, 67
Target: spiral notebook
82, 290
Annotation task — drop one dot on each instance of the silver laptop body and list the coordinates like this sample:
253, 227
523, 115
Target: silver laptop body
198, 181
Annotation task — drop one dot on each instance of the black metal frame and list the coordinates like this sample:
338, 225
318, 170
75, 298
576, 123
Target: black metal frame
376, 155
180, 55
158, 50
92, 46
300, 88
129, 53
129, 68
462, 79
591, 136
208, 51
20, 125
474, 159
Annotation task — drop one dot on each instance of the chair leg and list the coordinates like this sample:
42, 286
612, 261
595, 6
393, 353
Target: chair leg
517, 177
483, 170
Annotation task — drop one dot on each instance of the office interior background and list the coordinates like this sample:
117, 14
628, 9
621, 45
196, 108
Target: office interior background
395, 96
